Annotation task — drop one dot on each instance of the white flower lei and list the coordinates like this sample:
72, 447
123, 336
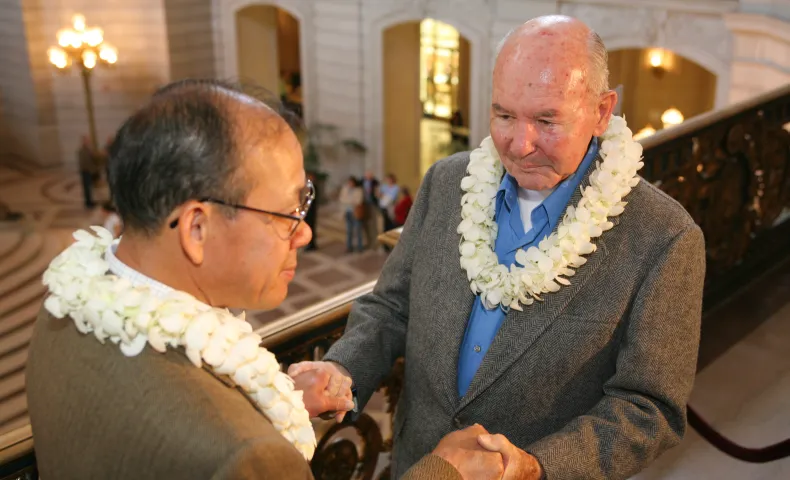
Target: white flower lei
545, 266
130, 316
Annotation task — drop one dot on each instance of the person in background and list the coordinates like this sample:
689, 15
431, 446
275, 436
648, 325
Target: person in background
354, 210
89, 167
388, 195
402, 207
370, 224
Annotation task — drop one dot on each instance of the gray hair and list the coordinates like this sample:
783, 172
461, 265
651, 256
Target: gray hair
184, 144
598, 61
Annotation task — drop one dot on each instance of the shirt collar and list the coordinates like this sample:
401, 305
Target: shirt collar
559, 197
136, 278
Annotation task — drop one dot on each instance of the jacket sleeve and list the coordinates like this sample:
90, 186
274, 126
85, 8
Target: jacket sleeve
376, 332
264, 458
643, 411
432, 467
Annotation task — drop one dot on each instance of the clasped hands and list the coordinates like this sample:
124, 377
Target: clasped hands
474, 452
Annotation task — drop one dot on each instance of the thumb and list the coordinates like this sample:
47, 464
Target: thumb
497, 443
492, 443
301, 367
510, 453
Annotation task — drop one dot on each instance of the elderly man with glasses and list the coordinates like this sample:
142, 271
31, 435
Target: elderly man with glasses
136, 367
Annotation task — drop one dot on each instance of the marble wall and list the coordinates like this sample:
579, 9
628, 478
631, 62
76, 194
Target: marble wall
341, 54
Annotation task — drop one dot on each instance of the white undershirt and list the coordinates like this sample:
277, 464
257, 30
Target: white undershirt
528, 200
136, 278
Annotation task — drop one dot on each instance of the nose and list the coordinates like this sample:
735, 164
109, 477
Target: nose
302, 236
524, 140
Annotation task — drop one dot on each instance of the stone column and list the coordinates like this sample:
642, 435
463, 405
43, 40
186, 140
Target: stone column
761, 56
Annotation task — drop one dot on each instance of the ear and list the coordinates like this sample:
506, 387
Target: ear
603, 111
193, 230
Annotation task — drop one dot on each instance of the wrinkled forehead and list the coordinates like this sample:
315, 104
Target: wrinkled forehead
552, 66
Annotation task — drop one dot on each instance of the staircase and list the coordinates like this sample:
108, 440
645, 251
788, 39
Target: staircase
24, 255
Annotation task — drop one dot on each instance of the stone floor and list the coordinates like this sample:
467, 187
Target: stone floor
52, 204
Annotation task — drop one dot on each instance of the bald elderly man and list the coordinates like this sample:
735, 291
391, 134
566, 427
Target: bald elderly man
591, 380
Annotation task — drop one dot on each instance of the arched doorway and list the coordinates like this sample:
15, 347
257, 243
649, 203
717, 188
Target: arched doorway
268, 52
426, 89
660, 83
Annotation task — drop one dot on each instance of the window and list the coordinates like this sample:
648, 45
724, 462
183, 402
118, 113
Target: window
439, 57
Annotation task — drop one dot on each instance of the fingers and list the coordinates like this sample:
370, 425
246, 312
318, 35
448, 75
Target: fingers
339, 404
339, 385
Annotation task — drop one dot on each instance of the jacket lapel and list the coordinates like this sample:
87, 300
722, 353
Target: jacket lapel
521, 329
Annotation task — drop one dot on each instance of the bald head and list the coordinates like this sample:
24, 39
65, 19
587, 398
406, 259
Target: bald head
564, 40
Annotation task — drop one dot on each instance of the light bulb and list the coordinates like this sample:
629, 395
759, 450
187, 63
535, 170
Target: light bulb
108, 54
645, 132
79, 22
75, 39
89, 58
64, 37
58, 57
93, 37
655, 59
672, 117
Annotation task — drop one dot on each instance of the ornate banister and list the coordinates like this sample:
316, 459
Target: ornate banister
730, 169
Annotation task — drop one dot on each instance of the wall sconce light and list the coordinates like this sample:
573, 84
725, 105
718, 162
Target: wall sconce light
672, 117
659, 61
645, 132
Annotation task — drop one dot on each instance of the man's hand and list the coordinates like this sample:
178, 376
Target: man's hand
326, 387
462, 450
519, 465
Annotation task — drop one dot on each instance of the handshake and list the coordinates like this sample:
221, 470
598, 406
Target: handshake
475, 453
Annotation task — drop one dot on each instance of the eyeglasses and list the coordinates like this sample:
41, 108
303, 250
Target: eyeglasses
308, 195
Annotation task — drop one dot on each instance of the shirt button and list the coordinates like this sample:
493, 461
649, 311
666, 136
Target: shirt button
477, 348
458, 423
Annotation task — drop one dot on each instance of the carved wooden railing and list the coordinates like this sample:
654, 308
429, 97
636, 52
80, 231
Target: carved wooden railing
730, 169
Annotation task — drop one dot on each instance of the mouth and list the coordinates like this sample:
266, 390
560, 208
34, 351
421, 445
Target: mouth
289, 272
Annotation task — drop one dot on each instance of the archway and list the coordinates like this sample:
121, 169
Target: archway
660, 83
268, 51
426, 94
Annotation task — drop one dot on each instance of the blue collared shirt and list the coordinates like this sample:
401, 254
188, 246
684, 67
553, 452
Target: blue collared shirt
484, 324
